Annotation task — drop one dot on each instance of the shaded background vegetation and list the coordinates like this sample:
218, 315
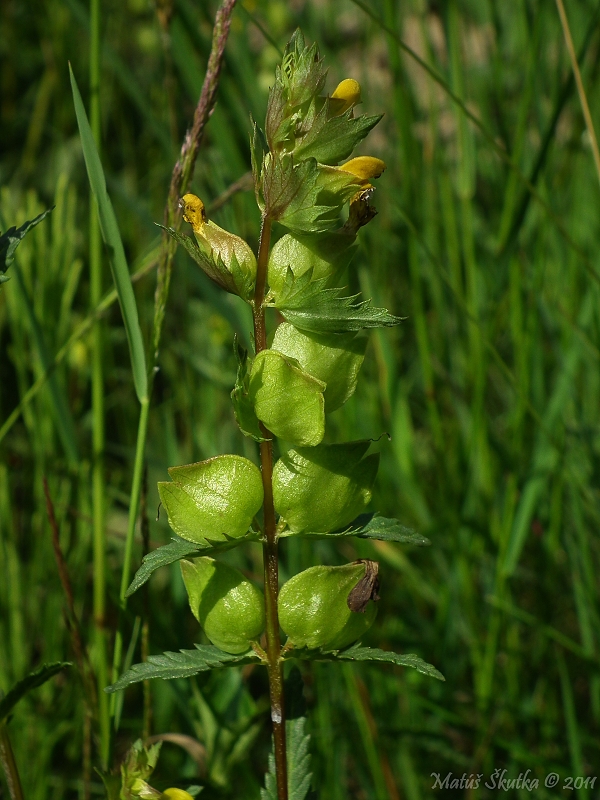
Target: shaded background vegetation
489, 390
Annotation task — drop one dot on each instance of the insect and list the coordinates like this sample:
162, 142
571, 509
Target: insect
367, 587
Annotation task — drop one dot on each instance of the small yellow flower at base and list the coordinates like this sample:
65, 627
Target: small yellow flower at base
364, 167
216, 242
193, 211
176, 794
346, 95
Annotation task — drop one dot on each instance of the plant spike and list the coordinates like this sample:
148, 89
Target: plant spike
306, 182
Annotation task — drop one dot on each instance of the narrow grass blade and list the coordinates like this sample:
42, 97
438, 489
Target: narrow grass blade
31, 681
112, 239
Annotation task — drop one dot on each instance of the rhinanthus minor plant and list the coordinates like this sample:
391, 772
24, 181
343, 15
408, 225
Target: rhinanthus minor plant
307, 184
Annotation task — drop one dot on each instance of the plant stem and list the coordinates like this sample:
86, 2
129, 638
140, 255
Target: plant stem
134, 503
271, 564
98, 436
9, 765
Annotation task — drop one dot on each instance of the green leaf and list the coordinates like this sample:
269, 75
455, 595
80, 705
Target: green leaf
114, 244
178, 549
286, 399
11, 239
31, 681
323, 488
298, 741
295, 197
372, 526
184, 664
335, 359
243, 408
359, 653
309, 306
332, 139
214, 500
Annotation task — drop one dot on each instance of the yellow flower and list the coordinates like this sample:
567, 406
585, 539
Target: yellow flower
215, 242
193, 211
364, 167
346, 95
176, 794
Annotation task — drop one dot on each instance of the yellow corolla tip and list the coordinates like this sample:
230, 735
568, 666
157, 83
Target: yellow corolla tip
193, 211
347, 93
176, 794
364, 167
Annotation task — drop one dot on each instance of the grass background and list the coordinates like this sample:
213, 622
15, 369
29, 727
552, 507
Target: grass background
489, 390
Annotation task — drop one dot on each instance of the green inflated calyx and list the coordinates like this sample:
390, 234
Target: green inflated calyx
326, 254
329, 607
212, 500
335, 359
286, 399
228, 606
321, 489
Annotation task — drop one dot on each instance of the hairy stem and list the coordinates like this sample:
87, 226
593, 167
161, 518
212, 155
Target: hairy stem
271, 564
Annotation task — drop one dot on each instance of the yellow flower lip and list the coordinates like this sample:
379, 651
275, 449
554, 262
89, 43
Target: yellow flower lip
364, 167
347, 95
193, 211
175, 794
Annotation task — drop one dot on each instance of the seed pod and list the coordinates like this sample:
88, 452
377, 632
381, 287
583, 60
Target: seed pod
326, 254
228, 606
328, 607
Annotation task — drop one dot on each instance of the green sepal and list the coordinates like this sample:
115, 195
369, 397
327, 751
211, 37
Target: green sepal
213, 500
136, 769
327, 254
308, 305
335, 359
230, 608
372, 526
332, 139
358, 653
230, 277
299, 197
299, 79
184, 664
181, 548
26, 684
243, 408
323, 488
314, 608
287, 400
258, 148
12, 238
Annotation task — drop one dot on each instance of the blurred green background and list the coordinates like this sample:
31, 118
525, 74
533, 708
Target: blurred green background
489, 390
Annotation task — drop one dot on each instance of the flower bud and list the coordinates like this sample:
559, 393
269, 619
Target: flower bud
346, 95
228, 606
176, 794
328, 607
228, 259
